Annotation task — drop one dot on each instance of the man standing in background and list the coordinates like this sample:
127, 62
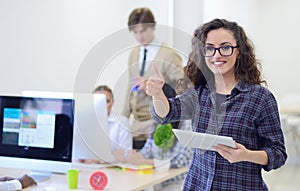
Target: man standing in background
142, 23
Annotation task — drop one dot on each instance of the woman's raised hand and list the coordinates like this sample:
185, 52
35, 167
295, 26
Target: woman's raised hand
155, 83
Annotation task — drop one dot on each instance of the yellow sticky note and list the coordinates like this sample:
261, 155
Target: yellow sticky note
145, 169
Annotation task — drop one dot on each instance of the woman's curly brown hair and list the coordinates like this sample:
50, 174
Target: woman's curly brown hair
246, 66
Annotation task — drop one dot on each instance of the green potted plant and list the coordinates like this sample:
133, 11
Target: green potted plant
164, 138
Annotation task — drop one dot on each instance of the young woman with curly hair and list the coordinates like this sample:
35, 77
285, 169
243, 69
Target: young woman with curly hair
222, 94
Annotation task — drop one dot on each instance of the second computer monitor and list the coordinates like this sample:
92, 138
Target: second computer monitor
91, 137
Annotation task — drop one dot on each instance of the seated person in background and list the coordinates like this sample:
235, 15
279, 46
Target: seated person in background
12, 184
119, 134
150, 154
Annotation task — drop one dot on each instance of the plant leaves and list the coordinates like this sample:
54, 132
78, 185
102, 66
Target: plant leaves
163, 136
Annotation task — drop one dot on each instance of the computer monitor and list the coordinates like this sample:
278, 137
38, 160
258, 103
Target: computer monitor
36, 133
91, 136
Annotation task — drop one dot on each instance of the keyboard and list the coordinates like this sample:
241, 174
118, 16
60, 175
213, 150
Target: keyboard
40, 176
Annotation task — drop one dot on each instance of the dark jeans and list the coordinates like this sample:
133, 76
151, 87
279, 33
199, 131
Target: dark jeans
138, 144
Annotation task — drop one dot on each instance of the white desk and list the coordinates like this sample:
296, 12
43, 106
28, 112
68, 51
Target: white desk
117, 179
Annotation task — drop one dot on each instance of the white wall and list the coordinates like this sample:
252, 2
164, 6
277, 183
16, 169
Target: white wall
278, 36
187, 16
44, 42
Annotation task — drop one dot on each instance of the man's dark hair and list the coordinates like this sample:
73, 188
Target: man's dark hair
141, 16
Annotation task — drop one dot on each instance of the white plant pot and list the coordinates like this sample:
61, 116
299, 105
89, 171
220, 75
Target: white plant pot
162, 165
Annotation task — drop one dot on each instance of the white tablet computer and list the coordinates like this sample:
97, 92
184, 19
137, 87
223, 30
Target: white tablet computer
202, 140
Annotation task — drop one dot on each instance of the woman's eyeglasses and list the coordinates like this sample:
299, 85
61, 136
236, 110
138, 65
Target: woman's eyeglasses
209, 51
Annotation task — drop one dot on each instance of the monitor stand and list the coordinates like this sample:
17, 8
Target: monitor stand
39, 176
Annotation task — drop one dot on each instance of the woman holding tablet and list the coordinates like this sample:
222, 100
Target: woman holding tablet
225, 97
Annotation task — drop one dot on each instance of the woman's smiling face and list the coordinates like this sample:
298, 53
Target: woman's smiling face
218, 64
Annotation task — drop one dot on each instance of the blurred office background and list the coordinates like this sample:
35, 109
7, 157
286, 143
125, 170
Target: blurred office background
45, 43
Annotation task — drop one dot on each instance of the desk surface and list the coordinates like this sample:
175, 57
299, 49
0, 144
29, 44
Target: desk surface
117, 179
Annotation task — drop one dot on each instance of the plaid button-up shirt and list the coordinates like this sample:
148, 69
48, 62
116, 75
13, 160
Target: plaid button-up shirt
249, 115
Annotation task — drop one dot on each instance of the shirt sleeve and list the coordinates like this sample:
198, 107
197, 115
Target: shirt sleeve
125, 135
146, 151
11, 185
271, 134
182, 107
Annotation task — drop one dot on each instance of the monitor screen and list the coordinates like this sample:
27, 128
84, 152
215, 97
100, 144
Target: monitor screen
90, 135
37, 129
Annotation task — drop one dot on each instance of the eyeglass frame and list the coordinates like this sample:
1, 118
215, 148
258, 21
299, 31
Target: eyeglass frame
215, 49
